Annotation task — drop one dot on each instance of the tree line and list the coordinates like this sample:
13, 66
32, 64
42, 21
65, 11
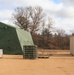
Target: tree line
41, 27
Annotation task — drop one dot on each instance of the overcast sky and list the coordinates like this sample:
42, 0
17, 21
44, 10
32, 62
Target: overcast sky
61, 11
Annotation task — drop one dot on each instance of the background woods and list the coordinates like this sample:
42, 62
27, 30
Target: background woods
34, 20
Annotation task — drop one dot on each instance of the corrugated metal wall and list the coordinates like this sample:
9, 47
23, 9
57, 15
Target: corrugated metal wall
13, 39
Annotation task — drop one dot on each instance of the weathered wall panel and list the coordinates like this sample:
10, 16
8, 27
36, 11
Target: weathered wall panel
72, 45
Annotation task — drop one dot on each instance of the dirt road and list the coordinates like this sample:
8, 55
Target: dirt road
55, 65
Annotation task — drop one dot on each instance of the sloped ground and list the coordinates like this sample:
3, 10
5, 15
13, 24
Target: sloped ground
54, 65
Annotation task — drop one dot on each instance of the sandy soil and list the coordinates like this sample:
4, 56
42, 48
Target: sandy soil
54, 65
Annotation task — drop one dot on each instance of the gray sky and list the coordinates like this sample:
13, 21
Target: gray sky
61, 11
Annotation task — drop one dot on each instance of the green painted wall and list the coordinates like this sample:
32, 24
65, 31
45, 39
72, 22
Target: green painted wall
12, 39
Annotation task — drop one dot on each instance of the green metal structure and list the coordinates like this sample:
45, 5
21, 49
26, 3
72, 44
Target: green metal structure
29, 52
12, 39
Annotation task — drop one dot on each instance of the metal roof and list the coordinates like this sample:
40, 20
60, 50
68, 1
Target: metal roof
24, 37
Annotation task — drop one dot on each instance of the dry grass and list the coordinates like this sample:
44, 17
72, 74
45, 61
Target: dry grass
55, 65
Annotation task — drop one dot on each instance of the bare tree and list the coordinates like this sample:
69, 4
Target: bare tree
60, 32
50, 25
37, 16
21, 17
46, 32
29, 18
60, 38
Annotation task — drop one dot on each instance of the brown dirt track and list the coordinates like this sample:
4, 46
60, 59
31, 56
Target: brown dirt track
54, 65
